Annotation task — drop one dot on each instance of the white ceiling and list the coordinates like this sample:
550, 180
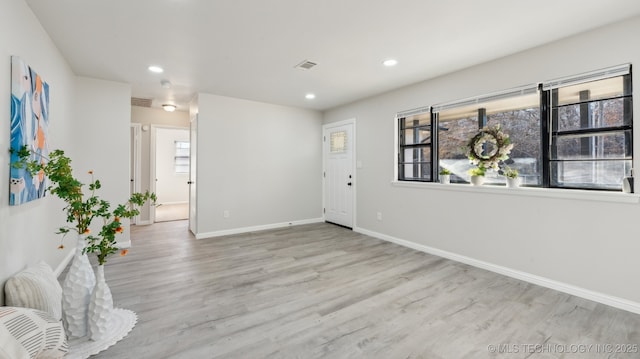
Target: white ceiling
248, 48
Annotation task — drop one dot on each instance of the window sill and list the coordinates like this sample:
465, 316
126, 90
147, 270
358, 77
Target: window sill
599, 196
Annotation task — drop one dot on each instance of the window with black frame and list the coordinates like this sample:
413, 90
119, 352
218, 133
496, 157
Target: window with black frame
516, 111
591, 130
414, 145
574, 132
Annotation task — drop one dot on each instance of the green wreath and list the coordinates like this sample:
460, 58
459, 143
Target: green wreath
501, 147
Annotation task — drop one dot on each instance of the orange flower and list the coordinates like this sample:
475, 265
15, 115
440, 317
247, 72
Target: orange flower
116, 219
61, 246
87, 231
124, 252
119, 230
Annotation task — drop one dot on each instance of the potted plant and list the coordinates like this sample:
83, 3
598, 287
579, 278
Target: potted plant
82, 208
85, 294
445, 176
512, 177
477, 175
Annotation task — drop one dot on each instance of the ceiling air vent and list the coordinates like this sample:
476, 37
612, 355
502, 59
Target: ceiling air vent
141, 102
306, 65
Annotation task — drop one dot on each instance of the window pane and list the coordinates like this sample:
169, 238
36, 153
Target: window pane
338, 142
416, 163
601, 114
590, 174
453, 136
182, 161
594, 90
420, 154
418, 135
612, 145
415, 147
182, 148
182, 152
423, 119
518, 116
500, 104
181, 157
523, 128
589, 148
459, 172
418, 171
182, 168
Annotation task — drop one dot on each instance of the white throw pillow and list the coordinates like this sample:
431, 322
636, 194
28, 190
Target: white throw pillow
35, 287
30, 334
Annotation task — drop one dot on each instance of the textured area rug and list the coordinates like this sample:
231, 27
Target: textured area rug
122, 322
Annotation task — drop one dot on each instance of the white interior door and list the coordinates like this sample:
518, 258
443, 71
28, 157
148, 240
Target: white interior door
339, 173
193, 138
135, 163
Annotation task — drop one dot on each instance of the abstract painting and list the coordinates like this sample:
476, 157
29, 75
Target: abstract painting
29, 127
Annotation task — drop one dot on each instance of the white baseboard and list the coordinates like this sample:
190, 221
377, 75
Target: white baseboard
227, 232
609, 300
63, 265
143, 223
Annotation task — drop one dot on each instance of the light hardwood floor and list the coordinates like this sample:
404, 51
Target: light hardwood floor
321, 291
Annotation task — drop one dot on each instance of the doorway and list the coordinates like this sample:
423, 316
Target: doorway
339, 172
193, 218
169, 173
135, 162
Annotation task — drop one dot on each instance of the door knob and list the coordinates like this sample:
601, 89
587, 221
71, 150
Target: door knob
349, 184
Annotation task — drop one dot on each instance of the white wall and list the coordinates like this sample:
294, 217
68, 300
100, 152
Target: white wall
260, 162
103, 113
27, 232
153, 116
89, 120
591, 245
171, 187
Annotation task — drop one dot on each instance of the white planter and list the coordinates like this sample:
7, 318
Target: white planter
477, 180
513, 182
76, 292
100, 308
445, 179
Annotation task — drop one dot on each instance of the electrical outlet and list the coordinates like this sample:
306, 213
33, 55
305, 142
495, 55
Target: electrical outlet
225, 214
379, 216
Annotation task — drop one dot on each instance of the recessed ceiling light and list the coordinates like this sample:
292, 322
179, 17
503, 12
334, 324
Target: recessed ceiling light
310, 96
390, 62
169, 107
156, 69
